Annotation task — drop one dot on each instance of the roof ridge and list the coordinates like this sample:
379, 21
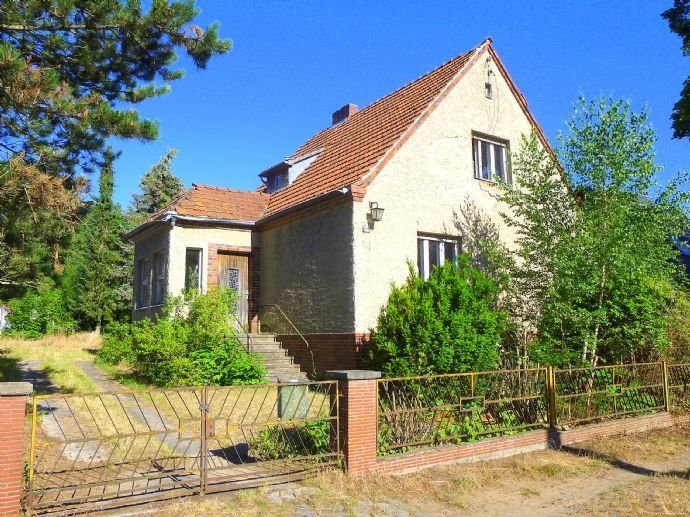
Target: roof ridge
199, 186
358, 113
446, 63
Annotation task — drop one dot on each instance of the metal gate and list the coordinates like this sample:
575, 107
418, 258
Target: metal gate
113, 449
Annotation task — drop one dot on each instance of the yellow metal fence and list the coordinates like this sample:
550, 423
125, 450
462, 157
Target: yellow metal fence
454, 408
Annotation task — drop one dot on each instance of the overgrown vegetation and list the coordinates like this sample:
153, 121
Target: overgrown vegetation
449, 323
192, 343
595, 263
72, 74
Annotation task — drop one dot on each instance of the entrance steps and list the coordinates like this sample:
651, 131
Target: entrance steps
280, 365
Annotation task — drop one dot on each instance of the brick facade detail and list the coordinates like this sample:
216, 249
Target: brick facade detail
329, 351
12, 422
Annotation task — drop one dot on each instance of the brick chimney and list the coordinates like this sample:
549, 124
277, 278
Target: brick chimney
344, 113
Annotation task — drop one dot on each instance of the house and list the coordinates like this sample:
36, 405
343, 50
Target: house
332, 225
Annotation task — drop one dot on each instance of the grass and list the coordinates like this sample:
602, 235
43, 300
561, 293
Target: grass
57, 354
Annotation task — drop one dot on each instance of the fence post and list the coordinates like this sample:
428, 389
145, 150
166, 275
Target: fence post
551, 396
12, 418
358, 418
664, 377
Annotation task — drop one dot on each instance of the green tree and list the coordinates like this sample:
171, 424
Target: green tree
450, 323
71, 72
98, 272
589, 267
158, 187
678, 18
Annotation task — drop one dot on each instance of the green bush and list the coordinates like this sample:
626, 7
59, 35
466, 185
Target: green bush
450, 323
117, 344
192, 343
38, 313
277, 442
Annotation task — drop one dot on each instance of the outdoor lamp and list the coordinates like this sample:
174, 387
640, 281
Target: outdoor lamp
376, 212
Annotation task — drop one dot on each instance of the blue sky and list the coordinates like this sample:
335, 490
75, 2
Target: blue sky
294, 63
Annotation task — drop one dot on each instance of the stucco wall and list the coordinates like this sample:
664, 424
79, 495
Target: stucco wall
306, 268
429, 177
146, 244
183, 237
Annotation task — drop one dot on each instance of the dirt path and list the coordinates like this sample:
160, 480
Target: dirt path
574, 496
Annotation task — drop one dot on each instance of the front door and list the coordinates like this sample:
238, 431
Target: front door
233, 273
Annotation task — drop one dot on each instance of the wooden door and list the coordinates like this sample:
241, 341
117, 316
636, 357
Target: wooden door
233, 273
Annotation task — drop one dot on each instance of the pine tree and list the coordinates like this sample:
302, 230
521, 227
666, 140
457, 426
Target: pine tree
98, 269
71, 73
158, 187
678, 18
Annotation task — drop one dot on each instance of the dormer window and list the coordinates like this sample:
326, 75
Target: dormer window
279, 181
491, 160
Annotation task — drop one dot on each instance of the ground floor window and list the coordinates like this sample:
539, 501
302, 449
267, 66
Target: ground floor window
192, 269
160, 277
434, 251
144, 282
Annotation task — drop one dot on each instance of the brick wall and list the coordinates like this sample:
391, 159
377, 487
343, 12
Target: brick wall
12, 421
504, 446
358, 433
330, 351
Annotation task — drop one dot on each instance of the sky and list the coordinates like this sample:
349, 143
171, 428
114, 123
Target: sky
294, 63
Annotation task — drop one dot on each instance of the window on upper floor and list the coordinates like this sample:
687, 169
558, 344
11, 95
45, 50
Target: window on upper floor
435, 251
491, 160
192, 270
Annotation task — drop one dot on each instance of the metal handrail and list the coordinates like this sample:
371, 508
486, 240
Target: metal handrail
289, 321
250, 343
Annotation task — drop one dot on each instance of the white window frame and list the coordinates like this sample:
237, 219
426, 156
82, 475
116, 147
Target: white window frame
424, 267
200, 254
478, 164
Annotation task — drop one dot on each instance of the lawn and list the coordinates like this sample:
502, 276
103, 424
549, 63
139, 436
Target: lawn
56, 354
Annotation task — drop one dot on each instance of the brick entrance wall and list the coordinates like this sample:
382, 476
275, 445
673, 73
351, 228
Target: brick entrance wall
330, 351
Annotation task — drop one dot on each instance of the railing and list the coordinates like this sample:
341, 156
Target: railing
422, 411
679, 384
273, 319
248, 344
589, 394
453, 408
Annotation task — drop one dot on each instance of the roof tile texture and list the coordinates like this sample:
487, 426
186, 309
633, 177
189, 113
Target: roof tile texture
221, 203
353, 147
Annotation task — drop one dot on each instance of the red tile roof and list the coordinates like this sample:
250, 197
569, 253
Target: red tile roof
353, 148
218, 203
351, 153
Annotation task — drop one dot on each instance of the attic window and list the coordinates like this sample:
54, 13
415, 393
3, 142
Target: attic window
491, 160
488, 91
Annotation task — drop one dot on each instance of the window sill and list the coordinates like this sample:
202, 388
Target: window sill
149, 307
492, 182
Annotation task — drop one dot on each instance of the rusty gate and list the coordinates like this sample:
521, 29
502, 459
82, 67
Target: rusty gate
112, 449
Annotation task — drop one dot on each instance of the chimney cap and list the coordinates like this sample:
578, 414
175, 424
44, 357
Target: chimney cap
342, 114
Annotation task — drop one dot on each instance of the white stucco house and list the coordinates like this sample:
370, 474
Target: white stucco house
311, 239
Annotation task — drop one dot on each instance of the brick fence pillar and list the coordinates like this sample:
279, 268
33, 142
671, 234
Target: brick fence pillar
12, 415
358, 418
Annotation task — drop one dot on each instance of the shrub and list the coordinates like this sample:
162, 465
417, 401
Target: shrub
38, 313
117, 344
450, 323
191, 343
278, 442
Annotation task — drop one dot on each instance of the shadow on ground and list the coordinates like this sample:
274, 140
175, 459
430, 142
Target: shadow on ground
555, 443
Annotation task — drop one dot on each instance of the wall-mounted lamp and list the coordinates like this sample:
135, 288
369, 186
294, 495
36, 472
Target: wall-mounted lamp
376, 212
